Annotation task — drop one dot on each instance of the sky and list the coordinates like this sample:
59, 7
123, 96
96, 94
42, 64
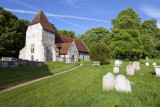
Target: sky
81, 15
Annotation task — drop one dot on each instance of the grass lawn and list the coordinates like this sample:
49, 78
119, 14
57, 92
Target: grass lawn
11, 76
82, 87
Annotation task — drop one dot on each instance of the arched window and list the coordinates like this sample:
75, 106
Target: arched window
73, 56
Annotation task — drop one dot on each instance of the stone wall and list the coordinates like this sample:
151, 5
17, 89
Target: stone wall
83, 56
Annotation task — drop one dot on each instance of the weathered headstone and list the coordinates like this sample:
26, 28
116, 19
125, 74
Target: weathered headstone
122, 83
154, 64
147, 64
108, 81
157, 69
147, 58
136, 65
130, 69
118, 62
115, 69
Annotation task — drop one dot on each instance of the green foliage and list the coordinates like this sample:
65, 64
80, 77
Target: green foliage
99, 52
151, 29
67, 33
129, 39
12, 33
94, 35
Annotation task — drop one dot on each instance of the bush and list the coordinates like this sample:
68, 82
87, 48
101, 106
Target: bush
99, 52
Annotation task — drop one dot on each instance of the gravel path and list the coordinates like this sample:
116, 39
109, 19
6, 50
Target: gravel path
29, 82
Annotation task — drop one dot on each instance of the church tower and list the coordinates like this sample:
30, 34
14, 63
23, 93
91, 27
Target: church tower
40, 40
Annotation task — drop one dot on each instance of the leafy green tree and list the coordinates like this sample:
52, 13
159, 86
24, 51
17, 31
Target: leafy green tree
129, 36
94, 35
99, 52
12, 33
67, 33
151, 29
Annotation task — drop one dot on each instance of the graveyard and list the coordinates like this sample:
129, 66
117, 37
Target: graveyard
83, 87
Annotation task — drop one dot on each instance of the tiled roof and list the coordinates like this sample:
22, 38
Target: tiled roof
64, 48
41, 18
59, 39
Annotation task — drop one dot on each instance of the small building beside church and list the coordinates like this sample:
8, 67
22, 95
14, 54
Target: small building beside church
44, 44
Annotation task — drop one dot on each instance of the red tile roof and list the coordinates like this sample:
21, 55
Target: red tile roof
59, 39
41, 18
64, 48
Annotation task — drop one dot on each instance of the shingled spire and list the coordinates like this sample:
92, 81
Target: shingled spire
41, 18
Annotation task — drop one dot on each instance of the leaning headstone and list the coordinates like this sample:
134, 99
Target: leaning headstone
108, 81
136, 65
130, 69
122, 83
116, 70
157, 69
154, 64
147, 64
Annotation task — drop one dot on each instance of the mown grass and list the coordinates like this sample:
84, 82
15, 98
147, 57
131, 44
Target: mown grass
82, 87
12, 76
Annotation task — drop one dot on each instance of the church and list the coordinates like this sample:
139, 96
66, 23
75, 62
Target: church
44, 44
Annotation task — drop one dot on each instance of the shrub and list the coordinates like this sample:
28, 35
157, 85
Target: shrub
99, 52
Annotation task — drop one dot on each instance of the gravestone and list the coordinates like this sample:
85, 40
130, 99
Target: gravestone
154, 64
122, 83
147, 58
147, 64
130, 69
157, 69
7, 58
39, 64
108, 81
4, 63
136, 65
9, 63
25, 62
118, 62
115, 69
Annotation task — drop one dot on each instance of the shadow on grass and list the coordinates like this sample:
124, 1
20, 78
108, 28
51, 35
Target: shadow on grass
13, 76
153, 74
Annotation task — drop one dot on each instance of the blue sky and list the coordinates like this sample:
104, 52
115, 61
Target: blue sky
81, 15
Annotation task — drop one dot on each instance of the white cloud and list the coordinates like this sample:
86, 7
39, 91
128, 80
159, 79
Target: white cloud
151, 11
21, 11
23, 4
56, 15
73, 2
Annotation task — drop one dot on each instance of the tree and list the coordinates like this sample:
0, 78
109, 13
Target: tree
12, 33
151, 29
94, 35
99, 52
128, 36
67, 33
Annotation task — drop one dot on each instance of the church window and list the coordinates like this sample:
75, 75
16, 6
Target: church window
32, 48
